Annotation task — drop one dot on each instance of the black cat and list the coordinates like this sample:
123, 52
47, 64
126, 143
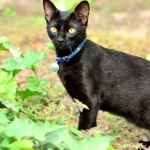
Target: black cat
99, 77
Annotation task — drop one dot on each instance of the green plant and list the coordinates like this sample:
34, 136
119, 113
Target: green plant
23, 134
9, 12
9, 88
50, 45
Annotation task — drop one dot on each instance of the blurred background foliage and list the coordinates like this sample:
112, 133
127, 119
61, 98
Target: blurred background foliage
67, 5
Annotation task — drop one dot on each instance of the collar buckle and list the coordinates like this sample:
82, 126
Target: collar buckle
66, 58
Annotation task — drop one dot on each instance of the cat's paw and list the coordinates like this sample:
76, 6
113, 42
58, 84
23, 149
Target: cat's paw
146, 144
141, 149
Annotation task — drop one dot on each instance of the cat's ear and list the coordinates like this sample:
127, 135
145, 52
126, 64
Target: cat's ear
49, 9
81, 12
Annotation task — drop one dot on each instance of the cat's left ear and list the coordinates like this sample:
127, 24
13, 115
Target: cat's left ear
81, 12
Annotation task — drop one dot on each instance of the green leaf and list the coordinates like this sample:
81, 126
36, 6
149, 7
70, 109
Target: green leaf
9, 12
54, 128
3, 118
75, 131
35, 83
5, 43
30, 115
26, 93
61, 139
9, 104
111, 148
57, 141
5, 142
19, 128
27, 129
31, 59
40, 130
22, 144
16, 52
7, 87
28, 61
34, 87
50, 45
96, 143
13, 64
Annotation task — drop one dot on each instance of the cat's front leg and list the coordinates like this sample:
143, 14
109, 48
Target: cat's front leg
87, 118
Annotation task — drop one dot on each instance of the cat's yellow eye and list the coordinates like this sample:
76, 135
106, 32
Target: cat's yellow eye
72, 30
53, 29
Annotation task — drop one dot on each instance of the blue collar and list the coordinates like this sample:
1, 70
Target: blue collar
68, 58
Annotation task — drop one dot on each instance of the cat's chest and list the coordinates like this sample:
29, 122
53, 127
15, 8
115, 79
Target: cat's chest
70, 74
72, 79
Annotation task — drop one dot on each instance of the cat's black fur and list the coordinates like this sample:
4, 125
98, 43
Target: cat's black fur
101, 78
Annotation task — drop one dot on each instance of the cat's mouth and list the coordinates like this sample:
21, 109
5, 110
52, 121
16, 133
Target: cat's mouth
61, 46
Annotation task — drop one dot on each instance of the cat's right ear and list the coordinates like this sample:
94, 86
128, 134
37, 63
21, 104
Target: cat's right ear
81, 12
49, 9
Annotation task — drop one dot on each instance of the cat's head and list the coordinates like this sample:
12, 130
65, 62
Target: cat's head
66, 29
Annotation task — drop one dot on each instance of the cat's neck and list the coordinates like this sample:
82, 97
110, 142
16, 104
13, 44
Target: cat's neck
61, 52
65, 51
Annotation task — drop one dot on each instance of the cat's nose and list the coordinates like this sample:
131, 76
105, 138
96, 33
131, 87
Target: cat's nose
60, 39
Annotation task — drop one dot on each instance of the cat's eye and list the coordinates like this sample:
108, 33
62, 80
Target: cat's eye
53, 29
72, 30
